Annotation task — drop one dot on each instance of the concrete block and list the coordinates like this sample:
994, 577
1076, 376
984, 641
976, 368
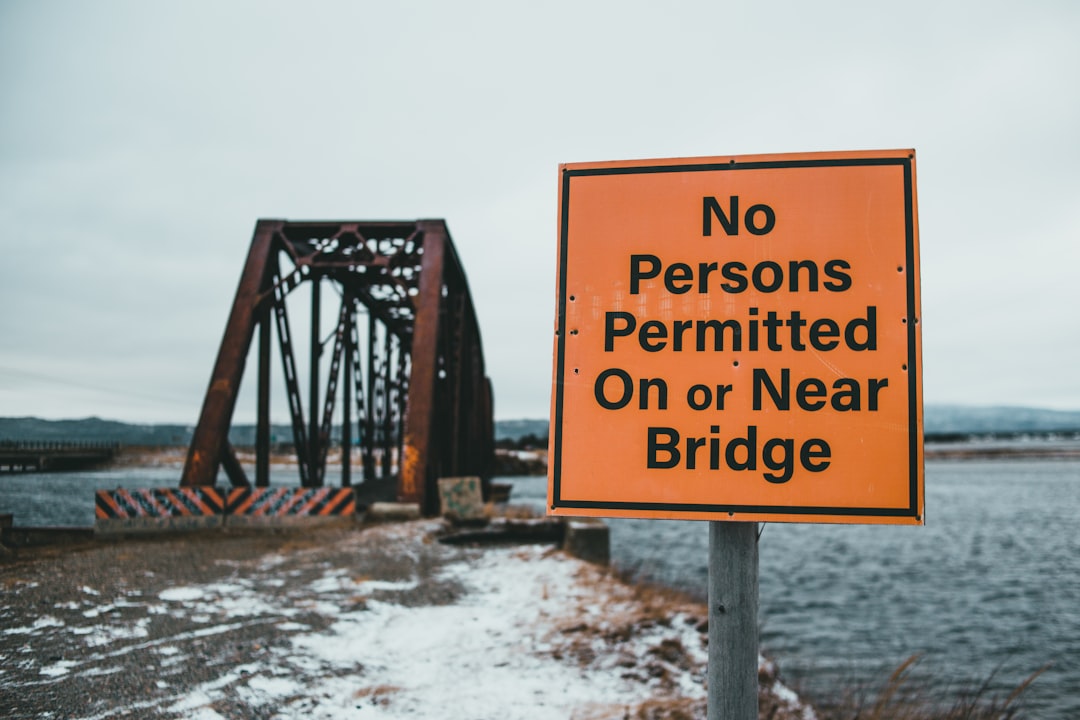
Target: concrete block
393, 512
588, 539
460, 498
134, 525
288, 521
500, 492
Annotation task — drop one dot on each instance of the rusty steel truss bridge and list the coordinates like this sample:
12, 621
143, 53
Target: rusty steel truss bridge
405, 360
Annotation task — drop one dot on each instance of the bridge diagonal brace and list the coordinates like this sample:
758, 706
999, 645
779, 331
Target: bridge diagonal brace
233, 469
292, 386
362, 428
325, 427
211, 432
282, 286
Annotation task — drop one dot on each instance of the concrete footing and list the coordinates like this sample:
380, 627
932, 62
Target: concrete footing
24, 537
589, 540
146, 525
392, 512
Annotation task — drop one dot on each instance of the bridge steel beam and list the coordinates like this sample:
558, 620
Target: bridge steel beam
212, 431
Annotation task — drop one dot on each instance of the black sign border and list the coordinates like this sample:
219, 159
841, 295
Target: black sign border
914, 429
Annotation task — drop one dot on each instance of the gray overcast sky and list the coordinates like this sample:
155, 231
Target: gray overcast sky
140, 141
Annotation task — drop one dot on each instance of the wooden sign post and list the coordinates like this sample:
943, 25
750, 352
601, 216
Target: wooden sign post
737, 340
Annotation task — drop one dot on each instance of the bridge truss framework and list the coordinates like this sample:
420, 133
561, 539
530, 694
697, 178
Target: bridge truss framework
405, 359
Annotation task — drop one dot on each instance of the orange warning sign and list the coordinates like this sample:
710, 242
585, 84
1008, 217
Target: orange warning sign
737, 338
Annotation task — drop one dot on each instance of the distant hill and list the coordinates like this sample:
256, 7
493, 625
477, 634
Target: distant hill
92, 429
1002, 419
938, 419
517, 429
95, 429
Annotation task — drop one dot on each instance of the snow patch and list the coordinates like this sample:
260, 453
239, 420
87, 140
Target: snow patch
45, 621
264, 688
110, 634
61, 667
182, 594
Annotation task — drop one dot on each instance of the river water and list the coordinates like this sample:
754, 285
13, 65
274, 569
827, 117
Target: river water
989, 588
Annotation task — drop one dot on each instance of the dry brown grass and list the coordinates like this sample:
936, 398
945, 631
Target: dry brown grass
903, 698
677, 709
637, 609
377, 695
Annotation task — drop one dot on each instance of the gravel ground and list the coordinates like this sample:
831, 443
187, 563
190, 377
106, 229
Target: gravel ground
82, 630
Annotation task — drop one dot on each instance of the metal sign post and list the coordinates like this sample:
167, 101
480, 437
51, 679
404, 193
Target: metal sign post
733, 606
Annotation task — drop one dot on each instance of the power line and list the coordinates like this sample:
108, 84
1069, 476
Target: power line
53, 380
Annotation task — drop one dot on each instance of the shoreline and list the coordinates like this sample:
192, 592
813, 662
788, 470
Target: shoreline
533, 462
824, 694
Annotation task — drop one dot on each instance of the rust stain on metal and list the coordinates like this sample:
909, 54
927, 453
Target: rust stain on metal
411, 468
